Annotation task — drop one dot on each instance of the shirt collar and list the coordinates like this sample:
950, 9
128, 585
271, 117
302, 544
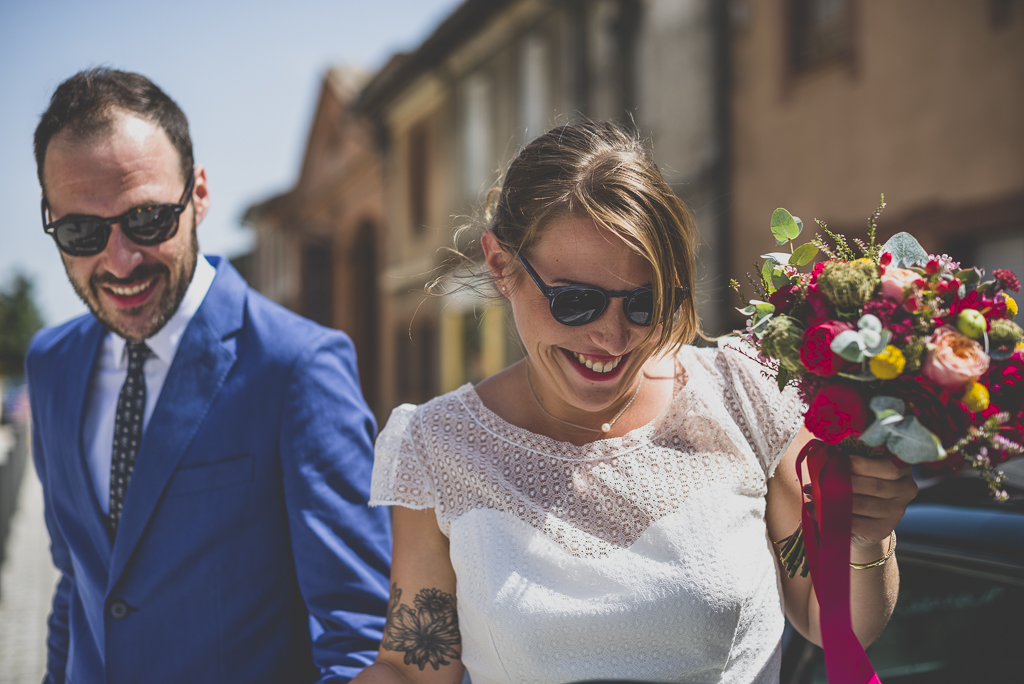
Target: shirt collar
164, 343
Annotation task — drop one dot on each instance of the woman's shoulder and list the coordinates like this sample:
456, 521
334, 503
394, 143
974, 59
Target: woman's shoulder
440, 406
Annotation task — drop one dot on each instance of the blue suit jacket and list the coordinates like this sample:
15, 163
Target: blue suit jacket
246, 551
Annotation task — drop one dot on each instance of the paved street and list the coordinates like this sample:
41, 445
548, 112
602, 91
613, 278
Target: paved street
28, 580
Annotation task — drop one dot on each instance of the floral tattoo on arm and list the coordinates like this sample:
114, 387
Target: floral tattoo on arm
428, 635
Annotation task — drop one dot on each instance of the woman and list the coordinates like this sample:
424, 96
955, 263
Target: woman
605, 507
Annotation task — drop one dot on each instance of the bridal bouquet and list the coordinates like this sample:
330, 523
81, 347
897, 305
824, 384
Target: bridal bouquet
896, 353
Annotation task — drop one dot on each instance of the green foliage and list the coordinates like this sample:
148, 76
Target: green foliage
901, 434
804, 254
19, 321
785, 226
906, 250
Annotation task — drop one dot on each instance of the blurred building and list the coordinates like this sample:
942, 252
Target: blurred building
495, 74
317, 245
837, 101
815, 105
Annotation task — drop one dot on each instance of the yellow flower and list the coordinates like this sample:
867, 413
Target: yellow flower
888, 364
1011, 306
976, 397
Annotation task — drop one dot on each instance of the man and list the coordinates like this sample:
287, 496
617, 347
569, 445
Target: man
205, 454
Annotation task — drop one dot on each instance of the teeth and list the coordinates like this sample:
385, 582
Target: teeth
598, 366
129, 291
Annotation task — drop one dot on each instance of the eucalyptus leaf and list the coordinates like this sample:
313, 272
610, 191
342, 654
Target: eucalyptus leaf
784, 226
914, 443
905, 249
777, 257
884, 404
969, 276
848, 345
869, 322
904, 436
878, 347
803, 255
762, 307
747, 310
766, 271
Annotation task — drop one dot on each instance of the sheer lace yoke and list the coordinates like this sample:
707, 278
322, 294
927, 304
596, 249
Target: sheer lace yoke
456, 455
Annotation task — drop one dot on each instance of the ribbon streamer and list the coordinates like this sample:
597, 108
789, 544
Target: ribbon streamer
828, 554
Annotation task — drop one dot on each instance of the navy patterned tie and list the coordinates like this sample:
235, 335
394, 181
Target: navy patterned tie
131, 404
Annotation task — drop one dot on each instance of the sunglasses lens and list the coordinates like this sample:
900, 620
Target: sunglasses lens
640, 307
578, 306
81, 237
151, 225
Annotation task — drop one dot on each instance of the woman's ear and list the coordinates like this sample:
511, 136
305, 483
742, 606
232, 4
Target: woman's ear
497, 260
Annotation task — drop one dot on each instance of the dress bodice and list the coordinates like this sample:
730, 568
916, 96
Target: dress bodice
643, 556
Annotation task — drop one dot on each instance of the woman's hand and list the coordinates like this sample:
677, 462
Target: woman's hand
881, 492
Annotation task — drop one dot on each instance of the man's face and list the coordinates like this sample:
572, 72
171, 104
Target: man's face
132, 289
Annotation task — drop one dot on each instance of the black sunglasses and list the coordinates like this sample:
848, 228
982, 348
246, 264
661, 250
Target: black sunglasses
83, 235
581, 304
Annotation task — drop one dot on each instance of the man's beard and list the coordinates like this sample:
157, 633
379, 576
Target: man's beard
169, 302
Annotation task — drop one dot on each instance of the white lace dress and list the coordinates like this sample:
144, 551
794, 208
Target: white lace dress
641, 557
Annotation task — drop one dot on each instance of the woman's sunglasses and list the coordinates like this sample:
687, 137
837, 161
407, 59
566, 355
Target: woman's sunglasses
82, 235
581, 304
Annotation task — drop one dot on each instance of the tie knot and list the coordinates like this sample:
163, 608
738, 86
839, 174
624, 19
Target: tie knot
138, 352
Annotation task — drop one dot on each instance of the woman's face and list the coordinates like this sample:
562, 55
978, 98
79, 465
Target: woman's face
588, 368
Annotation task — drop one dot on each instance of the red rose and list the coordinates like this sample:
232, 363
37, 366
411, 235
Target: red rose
835, 413
816, 351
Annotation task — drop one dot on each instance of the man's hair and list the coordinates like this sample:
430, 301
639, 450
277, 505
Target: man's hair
87, 103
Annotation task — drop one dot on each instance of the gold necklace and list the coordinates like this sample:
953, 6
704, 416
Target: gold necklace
605, 427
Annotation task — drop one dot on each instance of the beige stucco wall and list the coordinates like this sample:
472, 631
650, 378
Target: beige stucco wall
931, 113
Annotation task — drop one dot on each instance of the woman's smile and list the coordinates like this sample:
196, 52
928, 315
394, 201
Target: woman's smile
596, 366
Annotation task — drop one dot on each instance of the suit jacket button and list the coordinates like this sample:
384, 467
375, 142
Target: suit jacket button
118, 609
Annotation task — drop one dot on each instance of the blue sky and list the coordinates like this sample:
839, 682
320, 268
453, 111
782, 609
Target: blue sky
247, 75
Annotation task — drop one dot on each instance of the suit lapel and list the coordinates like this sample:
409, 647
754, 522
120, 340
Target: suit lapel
72, 408
202, 362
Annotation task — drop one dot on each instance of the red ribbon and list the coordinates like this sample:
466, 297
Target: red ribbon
828, 555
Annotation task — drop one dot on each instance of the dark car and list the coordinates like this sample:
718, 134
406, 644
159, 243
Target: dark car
960, 613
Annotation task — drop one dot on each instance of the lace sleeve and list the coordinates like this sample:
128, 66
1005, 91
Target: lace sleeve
401, 476
771, 419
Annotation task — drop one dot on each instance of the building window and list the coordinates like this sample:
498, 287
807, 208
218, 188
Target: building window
418, 174
534, 110
819, 32
476, 135
317, 282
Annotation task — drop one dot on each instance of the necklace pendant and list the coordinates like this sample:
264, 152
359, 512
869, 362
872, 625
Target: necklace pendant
606, 427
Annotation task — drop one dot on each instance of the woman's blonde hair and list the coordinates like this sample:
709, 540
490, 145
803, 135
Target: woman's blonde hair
598, 170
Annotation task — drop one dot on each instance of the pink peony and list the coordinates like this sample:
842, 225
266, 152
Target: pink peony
953, 359
895, 281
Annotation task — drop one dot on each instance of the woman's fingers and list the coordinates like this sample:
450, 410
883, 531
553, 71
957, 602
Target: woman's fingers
881, 492
882, 468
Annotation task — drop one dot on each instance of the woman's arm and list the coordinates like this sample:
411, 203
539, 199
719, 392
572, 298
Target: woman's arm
881, 492
421, 637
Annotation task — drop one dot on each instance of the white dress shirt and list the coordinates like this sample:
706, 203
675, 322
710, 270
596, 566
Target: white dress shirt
112, 368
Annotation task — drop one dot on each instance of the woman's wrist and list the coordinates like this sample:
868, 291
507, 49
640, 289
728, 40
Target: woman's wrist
871, 554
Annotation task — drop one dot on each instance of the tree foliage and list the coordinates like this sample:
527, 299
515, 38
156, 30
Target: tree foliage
19, 321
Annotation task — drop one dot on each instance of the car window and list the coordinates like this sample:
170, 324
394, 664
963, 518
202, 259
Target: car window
949, 626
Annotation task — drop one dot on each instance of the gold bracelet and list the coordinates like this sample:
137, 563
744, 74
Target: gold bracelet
880, 561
